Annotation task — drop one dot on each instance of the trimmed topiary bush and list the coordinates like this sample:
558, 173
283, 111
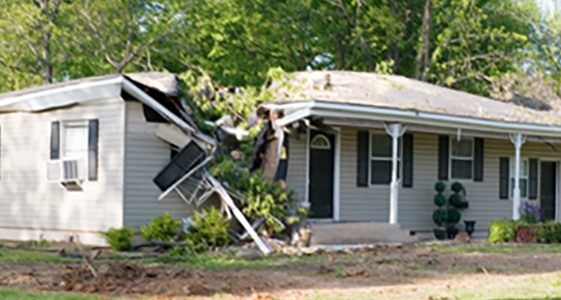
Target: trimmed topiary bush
502, 230
439, 200
440, 217
456, 187
454, 216
440, 187
455, 200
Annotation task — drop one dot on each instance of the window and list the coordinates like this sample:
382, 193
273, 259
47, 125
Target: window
381, 159
523, 179
461, 158
320, 142
74, 139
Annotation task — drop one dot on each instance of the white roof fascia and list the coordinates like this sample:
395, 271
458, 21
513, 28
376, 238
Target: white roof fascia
354, 111
132, 89
324, 109
63, 96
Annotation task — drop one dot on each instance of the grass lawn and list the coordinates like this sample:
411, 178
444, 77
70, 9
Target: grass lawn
486, 247
7, 294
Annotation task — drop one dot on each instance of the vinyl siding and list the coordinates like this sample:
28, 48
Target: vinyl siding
297, 163
145, 156
29, 201
415, 204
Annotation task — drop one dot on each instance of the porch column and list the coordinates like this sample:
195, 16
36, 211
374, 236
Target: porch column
395, 131
518, 140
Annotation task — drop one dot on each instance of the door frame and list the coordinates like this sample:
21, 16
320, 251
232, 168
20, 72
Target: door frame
336, 173
557, 185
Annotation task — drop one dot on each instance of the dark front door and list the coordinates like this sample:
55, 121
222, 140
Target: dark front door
548, 189
322, 154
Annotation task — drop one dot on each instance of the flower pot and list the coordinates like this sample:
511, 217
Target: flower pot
451, 232
440, 234
470, 227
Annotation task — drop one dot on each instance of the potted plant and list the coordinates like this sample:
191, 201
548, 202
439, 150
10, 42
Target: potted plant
457, 201
440, 215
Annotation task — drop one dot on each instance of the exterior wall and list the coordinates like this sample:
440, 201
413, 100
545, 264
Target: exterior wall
415, 204
297, 164
30, 204
145, 156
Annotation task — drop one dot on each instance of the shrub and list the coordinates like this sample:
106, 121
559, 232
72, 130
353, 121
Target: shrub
440, 217
548, 232
161, 228
261, 197
457, 187
531, 213
210, 230
455, 200
439, 200
454, 216
502, 230
440, 187
119, 239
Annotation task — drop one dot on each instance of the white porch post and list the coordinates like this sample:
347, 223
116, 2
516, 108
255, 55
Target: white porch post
395, 131
518, 140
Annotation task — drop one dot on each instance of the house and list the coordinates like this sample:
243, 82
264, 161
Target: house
79, 157
366, 147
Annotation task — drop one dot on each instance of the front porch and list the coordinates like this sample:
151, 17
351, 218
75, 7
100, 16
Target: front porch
490, 197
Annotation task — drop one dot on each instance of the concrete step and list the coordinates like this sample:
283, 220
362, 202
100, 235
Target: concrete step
350, 233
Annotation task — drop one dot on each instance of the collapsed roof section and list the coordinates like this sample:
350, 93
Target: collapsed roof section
186, 173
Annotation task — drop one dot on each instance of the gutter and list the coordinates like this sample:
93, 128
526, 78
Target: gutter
354, 111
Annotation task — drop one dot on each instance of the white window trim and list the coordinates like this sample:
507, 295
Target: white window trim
452, 157
511, 177
62, 138
379, 158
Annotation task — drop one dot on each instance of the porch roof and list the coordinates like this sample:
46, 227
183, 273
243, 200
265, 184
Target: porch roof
397, 98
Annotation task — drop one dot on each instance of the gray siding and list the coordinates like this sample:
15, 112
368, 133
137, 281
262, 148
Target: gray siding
297, 163
145, 156
29, 201
415, 204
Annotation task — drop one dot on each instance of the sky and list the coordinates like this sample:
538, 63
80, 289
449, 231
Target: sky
547, 4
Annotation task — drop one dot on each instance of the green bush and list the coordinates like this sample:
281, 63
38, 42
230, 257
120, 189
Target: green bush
547, 232
454, 216
210, 230
457, 187
455, 200
261, 197
439, 217
502, 230
161, 228
440, 187
439, 200
119, 239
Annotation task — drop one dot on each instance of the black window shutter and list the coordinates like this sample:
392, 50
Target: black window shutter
443, 154
93, 137
407, 160
55, 140
504, 179
533, 178
362, 163
478, 160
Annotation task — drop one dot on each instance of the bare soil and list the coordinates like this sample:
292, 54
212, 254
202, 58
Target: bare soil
384, 270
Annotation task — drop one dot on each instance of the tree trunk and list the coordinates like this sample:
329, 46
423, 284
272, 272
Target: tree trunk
426, 42
46, 64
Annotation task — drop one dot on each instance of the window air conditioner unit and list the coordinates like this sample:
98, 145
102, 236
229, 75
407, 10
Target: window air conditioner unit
66, 170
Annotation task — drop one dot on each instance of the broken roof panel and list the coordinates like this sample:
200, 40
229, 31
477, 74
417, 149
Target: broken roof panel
163, 82
398, 92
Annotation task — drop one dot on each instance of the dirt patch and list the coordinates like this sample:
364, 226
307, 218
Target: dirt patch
384, 269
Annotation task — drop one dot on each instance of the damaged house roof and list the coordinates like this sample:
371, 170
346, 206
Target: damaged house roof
319, 91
